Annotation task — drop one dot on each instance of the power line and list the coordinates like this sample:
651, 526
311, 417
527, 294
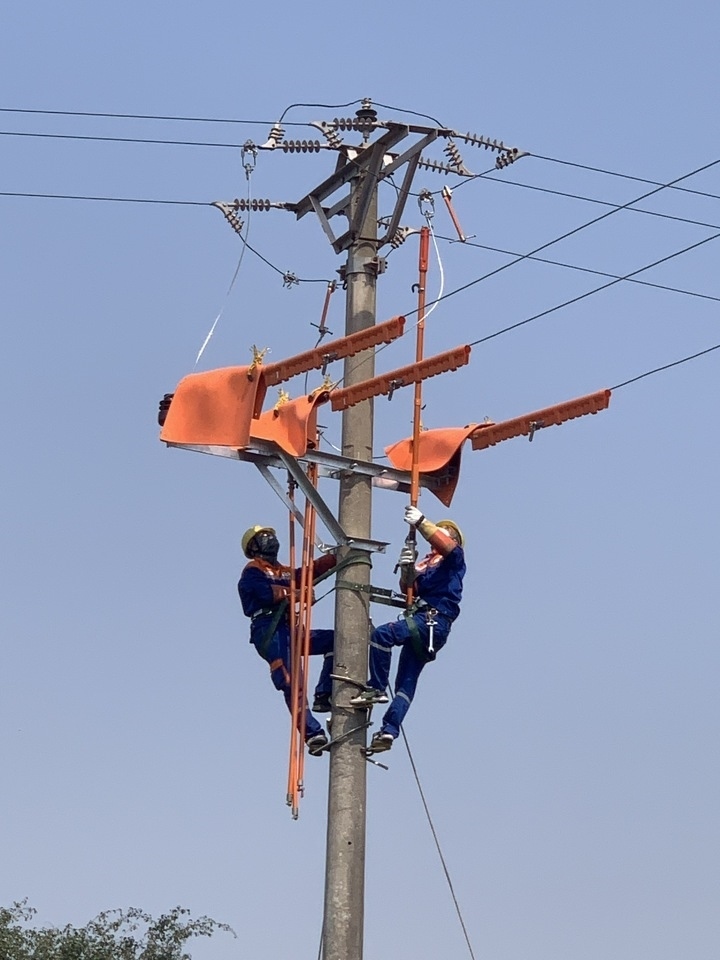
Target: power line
589, 293
623, 176
667, 366
76, 136
70, 196
573, 266
604, 203
484, 175
570, 233
145, 116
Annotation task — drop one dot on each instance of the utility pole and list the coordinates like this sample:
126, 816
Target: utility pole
199, 420
345, 865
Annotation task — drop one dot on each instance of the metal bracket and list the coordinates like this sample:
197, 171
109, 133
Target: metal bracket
377, 594
376, 266
323, 511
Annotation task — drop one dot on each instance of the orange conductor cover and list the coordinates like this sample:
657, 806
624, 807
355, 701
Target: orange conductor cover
488, 436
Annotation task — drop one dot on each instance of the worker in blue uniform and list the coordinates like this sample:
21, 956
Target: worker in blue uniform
436, 583
264, 589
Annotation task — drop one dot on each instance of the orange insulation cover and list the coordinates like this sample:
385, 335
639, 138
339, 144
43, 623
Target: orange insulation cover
439, 450
214, 408
293, 426
488, 436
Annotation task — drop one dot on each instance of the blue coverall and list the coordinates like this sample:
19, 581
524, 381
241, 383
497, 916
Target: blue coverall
438, 586
261, 587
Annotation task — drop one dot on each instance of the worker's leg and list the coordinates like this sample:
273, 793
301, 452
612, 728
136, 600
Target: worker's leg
321, 644
278, 656
412, 661
382, 640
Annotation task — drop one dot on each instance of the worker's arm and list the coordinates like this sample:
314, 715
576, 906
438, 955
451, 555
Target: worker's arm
435, 536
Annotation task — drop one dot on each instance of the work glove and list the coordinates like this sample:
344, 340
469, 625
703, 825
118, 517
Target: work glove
408, 556
413, 516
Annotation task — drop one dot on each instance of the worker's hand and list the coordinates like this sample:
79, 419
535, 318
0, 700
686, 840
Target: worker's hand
413, 516
408, 556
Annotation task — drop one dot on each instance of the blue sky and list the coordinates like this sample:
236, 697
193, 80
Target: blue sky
567, 737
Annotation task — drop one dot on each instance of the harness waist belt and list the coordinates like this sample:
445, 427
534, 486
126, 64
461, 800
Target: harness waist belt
262, 613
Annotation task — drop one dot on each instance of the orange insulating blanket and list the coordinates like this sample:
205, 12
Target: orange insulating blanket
439, 453
292, 425
215, 408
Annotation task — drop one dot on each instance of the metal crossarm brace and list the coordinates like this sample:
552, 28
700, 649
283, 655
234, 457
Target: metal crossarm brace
311, 494
282, 494
349, 170
331, 465
413, 158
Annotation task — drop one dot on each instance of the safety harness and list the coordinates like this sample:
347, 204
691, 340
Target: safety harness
424, 651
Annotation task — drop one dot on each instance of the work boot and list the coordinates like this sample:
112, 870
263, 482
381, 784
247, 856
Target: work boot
316, 744
381, 742
321, 703
367, 698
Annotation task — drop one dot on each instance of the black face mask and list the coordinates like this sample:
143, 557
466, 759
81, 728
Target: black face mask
266, 546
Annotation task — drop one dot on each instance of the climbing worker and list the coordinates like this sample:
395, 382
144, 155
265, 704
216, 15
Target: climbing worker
436, 583
264, 589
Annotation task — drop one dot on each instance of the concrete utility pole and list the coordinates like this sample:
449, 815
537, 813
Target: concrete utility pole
360, 168
345, 867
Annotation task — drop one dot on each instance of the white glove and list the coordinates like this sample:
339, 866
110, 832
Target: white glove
413, 516
408, 556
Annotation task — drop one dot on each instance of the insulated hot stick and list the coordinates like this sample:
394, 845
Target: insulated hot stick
417, 401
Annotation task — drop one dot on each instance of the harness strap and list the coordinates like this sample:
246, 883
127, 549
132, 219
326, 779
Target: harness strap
278, 614
419, 646
280, 610
266, 612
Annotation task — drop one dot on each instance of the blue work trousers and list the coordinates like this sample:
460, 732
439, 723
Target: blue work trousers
277, 654
413, 658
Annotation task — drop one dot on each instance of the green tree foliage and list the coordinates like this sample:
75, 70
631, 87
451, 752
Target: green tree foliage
113, 935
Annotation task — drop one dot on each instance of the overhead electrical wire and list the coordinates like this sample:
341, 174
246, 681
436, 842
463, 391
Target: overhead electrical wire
589, 293
575, 230
658, 186
666, 366
574, 266
622, 176
75, 196
145, 116
484, 175
303, 123
604, 203
78, 136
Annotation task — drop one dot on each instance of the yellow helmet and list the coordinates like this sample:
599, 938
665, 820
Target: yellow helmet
455, 527
252, 532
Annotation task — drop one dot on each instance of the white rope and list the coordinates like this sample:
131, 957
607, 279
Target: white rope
232, 282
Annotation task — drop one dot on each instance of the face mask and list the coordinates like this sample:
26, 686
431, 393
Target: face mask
267, 546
